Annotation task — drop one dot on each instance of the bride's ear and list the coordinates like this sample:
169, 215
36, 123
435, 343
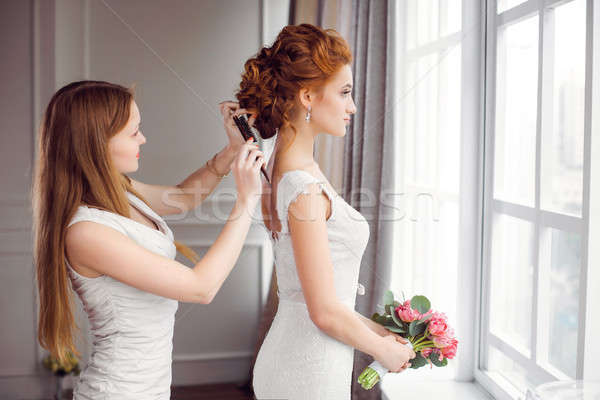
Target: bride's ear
305, 97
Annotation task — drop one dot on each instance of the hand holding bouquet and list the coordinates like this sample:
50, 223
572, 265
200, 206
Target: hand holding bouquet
427, 331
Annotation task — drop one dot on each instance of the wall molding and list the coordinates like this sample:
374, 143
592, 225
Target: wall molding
219, 355
265, 265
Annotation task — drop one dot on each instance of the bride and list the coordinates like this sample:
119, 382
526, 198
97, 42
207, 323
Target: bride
300, 87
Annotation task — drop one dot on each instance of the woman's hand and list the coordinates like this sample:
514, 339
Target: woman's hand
393, 355
384, 332
228, 110
246, 170
398, 338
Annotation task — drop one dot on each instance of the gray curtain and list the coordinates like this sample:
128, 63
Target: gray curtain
369, 155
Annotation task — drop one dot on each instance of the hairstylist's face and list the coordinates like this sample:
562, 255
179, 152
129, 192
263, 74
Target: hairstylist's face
124, 147
332, 109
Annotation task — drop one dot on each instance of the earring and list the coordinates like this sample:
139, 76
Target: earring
307, 118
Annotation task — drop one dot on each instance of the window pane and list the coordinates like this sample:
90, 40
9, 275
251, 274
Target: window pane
562, 142
504, 5
512, 281
511, 370
564, 300
507, 367
516, 109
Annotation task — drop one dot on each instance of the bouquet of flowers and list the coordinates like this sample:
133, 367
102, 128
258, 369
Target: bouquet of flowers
427, 331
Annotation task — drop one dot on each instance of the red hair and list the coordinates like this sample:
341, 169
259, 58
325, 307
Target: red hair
302, 56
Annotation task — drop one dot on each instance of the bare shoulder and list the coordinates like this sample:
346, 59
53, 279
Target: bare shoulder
311, 205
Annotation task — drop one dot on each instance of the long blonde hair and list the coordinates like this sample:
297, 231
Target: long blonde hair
73, 167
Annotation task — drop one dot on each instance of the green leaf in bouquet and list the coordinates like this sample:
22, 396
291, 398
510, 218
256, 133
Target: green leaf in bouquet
425, 318
396, 304
436, 360
382, 319
412, 328
416, 328
389, 323
418, 362
389, 309
395, 329
388, 297
385, 320
420, 303
397, 319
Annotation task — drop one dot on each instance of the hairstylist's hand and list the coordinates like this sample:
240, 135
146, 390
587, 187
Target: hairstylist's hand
246, 171
228, 110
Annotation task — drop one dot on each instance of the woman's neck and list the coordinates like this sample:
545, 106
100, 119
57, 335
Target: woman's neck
300, 151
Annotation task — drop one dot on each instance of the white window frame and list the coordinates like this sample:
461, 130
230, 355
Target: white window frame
587, 226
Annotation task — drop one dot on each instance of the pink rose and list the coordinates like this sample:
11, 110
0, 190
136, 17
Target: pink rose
406, 313
450, 350
426, 352
437, 324
443, 341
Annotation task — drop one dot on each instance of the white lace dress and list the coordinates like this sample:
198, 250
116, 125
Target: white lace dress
297, 360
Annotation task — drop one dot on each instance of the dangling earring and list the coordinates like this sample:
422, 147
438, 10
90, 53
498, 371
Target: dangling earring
307, 118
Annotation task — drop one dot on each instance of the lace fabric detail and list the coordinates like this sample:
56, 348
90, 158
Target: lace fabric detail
297, 360
293, 184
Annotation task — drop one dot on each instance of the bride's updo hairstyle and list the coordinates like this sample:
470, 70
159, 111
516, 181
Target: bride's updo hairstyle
302, 56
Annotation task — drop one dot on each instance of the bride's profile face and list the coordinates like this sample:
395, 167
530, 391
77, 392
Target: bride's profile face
332, 111
124, 147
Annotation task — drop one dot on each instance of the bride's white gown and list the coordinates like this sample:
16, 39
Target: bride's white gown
297, 360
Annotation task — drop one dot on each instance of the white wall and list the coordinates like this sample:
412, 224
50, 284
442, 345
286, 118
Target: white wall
184, 57
18, 359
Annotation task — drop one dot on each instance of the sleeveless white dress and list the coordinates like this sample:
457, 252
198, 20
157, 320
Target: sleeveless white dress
297, 360
132, 330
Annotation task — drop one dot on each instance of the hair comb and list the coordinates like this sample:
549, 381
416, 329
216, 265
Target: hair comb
247, 133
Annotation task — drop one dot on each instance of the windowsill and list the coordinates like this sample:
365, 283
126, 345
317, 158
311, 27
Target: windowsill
395, 389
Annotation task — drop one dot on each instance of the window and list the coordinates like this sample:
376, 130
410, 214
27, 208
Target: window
535, 219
